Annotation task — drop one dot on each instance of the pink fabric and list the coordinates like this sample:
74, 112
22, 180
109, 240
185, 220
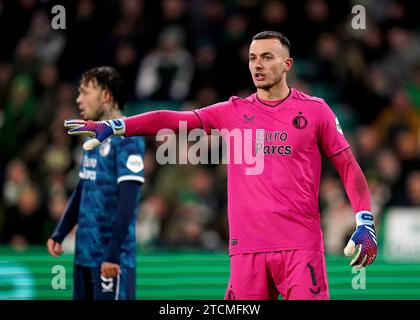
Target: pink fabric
294, 274
277, 209
353, 179
149, 123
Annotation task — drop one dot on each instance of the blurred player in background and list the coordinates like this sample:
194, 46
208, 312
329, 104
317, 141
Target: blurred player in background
275, 239
105, 200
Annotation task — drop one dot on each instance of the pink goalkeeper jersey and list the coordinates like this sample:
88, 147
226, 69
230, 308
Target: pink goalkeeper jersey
278, 208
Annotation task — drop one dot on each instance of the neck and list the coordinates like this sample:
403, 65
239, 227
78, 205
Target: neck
111, 113
278, 92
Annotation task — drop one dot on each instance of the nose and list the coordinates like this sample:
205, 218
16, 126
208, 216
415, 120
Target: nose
257, 64
78, 100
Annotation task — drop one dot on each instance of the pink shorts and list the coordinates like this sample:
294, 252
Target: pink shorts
294, 274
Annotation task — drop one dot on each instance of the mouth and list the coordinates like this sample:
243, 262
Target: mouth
259, 76
82, 112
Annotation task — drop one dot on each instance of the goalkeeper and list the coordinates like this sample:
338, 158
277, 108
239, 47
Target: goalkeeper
105, 201
275, 237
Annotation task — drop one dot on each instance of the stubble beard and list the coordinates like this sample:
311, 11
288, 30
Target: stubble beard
268, 85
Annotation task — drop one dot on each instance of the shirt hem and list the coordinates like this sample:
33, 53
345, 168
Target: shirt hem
262, 250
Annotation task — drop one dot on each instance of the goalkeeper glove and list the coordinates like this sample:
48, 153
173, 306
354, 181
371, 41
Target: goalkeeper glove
364, 240
98, 131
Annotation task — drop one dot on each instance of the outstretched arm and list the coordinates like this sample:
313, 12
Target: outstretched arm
146, 124
149, 123
364, 238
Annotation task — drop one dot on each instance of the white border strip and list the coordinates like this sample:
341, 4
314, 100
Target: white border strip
117, 290
130, 178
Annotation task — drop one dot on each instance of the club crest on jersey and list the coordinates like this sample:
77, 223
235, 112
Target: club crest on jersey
135, 163
105, 148
300, 122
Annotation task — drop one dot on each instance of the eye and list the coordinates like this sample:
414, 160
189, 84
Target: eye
251, 58
268, 57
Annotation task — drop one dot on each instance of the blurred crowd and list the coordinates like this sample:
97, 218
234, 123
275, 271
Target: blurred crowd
186, 54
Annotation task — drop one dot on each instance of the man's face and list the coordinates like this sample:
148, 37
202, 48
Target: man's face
268, 60
90, 101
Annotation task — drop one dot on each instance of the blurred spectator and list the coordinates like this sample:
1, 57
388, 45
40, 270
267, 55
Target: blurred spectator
24, 222
370, 77
47, 87
150, 221
19, 114
274, 16
235, 38
337, 216
329, 65
316, 14
400, 114
187, 228
207, 71
380, 195
57, 157
126, 62
57, 203
413, 188
17, 179
174, 181
403, 55
49, 43
203, 189
25, 60
166, 73
367, 147
209, 17
388, 167
82, 38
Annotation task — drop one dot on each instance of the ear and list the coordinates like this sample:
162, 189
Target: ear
106, 97
288, 63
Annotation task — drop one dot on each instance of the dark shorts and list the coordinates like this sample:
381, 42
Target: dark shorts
88, 284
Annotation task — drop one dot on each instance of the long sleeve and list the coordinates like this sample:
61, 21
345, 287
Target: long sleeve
149, 123
128, 195
353, 179
70, 216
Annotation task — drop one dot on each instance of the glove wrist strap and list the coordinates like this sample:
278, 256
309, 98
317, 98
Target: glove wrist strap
364, 218
118, 127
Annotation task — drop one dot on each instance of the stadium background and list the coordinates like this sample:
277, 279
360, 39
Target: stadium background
198, 51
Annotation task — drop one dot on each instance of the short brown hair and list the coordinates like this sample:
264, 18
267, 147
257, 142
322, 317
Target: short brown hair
273, 35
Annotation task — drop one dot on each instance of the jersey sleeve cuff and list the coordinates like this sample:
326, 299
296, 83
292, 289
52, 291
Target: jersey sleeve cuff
130, 178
